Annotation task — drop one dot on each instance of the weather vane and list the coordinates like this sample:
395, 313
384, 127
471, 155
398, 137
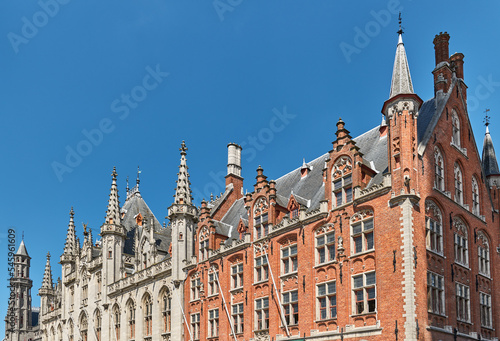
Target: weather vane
487, 118
400, 31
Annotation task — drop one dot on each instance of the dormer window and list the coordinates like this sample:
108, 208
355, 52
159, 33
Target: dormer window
138, 219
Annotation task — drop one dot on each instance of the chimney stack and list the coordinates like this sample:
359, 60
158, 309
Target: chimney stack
457, 61
441, 47
234, 159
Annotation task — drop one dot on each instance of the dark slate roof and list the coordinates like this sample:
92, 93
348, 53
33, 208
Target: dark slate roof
223, 228
22, 250
232, 218
310, 190
134, 205
425, 116
490, 164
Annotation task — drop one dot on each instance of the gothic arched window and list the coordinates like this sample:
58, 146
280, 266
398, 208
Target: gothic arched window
459, 190
475, 196
433, 227
148, 315
483, 252
438, 170
455, 121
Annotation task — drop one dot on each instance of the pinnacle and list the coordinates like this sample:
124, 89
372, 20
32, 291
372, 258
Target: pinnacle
401, 79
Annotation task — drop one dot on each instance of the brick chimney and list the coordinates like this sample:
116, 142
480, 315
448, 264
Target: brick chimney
442, 72
457, 61
234, 168
441, 47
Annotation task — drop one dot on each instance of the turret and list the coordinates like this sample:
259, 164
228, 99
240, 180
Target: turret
401, 112
22, 285
183, 218
46, 292
113, 236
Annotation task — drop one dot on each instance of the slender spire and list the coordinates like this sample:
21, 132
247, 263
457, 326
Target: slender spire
489, 159
183, 190
22, 250
137, 181
401, 79
113, 212
70, 245
47, 275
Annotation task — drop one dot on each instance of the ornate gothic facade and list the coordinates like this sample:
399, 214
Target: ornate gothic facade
392, 235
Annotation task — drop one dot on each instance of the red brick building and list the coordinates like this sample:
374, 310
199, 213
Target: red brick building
393, 235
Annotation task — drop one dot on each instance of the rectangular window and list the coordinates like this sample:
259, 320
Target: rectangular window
325, 247
291, 307
342, 190
213, 322
261, 269
261, 226
195, 325
212, 284
362, 236
289, 259
204, 249
237, 276
238, 321
327, 300
485, 309
434, 239
364, 293
195, 288
262, 313
461, 250
435, 293
463, 302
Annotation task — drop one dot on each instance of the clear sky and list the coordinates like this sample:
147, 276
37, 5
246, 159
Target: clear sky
88, 85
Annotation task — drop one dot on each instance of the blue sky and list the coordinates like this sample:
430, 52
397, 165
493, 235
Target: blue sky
88, 85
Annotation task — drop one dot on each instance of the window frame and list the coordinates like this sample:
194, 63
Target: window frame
362, 236
439, 182
365, 289
462, 297
476, 207
461, 246
326, 297
455, 123
435, 294
237, 276
213, 322
289, 262
459, 184
237, 314
262, 313
485, 310
195, 288
326, 248
261, 218
291, 307
261, 267
213, 287
195, 325
434, 232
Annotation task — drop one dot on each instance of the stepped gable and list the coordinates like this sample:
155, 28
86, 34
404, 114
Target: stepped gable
310, 190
